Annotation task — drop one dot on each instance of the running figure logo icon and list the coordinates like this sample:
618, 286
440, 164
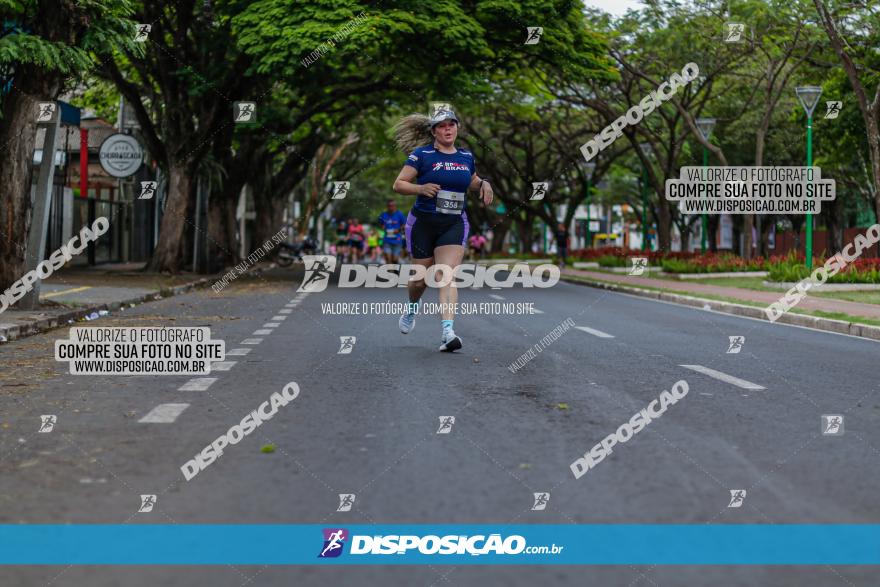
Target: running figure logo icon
340, 190
319, 268
539, 190
833, 107
533, 34
439, 108
47, 423
244, 111
736, 498
148, 190
832, 425
346, 500
346, 345
45, 111
334, 541
446, 423
147, 503
734, 32
639, 264
736, 344
541, 500
143, 31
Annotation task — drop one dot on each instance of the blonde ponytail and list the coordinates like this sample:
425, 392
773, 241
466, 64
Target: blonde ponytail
412, 131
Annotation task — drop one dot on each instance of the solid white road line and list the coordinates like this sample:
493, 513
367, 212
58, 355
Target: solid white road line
252, 341
495, 297
275, 318
724, 377
222, 365
262, 331
271, 324
238, 352
595, 332
197, 384
164, 414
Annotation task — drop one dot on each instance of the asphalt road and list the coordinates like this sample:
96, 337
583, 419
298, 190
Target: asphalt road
366, 423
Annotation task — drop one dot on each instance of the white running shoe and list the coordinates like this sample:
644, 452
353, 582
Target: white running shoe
450, 342
407, 322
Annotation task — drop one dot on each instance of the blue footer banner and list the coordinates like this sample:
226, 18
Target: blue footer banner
439, 544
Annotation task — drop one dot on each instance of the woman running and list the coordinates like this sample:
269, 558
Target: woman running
437, 226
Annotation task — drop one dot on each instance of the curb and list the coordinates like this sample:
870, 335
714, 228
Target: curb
12, 333
816, 322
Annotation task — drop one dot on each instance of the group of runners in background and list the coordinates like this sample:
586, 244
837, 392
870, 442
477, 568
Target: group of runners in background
386, 241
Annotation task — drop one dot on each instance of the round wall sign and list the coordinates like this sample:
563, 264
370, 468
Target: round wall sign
121, 155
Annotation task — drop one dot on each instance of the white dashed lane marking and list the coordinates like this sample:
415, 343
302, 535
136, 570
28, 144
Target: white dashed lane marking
197, 384
742, 383
164, 414
222, 365
238, 352
595, 332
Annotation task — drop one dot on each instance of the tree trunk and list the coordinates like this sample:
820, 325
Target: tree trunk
222, 245
664, 225
269, 209
714, 222
834, 219
18, 131
170, 254
499, 234
525, 232
17, 135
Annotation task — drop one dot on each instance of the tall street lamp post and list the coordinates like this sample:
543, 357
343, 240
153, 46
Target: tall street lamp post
705, 126
589, 168
809, 97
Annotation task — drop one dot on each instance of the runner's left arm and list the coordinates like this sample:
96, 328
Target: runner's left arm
485, 189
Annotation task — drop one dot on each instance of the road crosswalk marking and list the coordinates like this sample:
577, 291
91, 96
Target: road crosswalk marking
252, 341
285, 311
271, 324
724, 377
274, 318
262, 331
238, 352
164, 414
595, 332
495, 297
197, 384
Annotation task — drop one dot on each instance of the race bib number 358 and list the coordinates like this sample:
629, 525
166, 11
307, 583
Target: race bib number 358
450, 202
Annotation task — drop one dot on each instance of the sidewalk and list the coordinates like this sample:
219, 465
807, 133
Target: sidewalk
87, 293
763, 297
688, 293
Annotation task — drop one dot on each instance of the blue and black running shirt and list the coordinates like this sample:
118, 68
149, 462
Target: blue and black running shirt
452, 172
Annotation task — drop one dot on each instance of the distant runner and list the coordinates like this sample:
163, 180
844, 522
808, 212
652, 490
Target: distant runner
392, 220
355, 239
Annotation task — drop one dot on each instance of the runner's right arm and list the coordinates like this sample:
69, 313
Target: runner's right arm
404, 184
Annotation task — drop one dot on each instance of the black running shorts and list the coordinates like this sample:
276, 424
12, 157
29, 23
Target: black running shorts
427, 230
